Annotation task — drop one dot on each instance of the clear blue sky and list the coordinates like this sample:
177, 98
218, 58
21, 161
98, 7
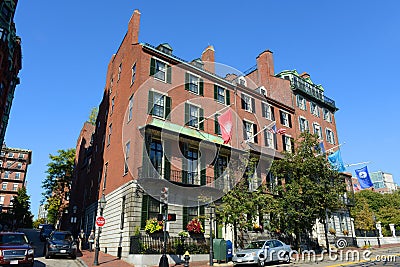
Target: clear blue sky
350, 47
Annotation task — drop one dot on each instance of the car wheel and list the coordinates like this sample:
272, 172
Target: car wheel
73, 256
260, 263
286, 258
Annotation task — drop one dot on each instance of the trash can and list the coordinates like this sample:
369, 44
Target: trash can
219, 249
229, 253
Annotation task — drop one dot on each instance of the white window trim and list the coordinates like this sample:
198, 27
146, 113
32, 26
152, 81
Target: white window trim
252, 130
251, 103
287, 117
164, 95
133, 65
198, 84
317, 114
306, 124
290, 143
315, 124
331, 135
268, 133
301, 104
268, 107
198, 115
166, 72
329, 119
225, 89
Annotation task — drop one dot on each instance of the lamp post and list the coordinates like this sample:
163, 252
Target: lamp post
211, 206
102, 204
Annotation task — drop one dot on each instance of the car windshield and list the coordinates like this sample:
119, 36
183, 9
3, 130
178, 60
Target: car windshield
13, 239
62, 237
255, 245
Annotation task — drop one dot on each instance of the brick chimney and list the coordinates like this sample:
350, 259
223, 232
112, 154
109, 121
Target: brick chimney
133, 27
208, 59
265, 66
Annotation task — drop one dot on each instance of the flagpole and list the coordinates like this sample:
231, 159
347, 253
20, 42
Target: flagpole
326, 151
213, 114
355, 164
267, 126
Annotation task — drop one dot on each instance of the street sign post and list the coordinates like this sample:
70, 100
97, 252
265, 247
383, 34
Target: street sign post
100, 221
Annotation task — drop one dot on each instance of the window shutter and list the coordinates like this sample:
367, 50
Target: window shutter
275, 141
242, 100
253, 105
281, 116
255, 132
201, 87
146, 158
186, 114
263, 110
185, 220
168, 107
169, 74
216, 124
265, 136
292, 144
145, 201
167, 164
152, 66
290, 120
215, 92
272, 113
150, 103
201, 118
284, 142
228, 97
203, 177
186, 81
244, 131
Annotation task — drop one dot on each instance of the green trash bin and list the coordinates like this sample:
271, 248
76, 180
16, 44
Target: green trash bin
219, 249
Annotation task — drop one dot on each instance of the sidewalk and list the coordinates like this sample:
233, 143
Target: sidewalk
106, 260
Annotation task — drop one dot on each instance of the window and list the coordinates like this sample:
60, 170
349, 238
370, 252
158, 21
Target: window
303, 123
156, 155
112, 105
301, 102
248, 103
286, 118
6, 13
221, 163
288, 143
109, 134
160, 70
119, 71
327, 115
133, 73
194, 83
1, 199
267, 111
10, 154
15, 187
21, 155
9, 163
1, 163
192, 157
330, 136
194, 116
314, 109
127, 152
249, 131
17, 176
189, 213
150, 209
159, 105
222, 95
270, 139
105, 175
317, 130
4, 186
130, 108
6, 174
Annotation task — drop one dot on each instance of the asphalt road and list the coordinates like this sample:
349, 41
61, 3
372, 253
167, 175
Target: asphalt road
40, 261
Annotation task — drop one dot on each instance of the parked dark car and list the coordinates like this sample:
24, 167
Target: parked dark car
45, 231
15, 249
60, 243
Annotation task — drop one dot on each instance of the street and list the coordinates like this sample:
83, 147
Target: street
40, 261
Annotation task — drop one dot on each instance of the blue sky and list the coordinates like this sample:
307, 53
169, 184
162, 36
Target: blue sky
350, 47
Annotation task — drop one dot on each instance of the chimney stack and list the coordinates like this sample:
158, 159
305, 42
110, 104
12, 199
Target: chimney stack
265, 66
208, 59
133, 27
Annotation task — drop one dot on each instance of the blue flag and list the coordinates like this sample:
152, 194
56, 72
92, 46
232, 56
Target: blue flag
335, 159
363, 178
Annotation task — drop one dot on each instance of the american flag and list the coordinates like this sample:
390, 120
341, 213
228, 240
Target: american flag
281, 131
273, 129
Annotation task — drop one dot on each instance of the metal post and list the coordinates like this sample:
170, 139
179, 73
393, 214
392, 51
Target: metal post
96, 252
164, 259
211, 237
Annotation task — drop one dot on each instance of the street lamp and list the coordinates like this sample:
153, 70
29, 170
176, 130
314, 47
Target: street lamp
102, 204
211, 206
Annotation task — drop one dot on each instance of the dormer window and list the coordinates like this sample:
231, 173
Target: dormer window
165, 48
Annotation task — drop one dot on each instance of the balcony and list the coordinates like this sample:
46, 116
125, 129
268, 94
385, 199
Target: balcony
312, 90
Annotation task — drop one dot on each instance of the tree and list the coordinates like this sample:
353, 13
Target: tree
20, 210
57, 183
310, 189
93, 115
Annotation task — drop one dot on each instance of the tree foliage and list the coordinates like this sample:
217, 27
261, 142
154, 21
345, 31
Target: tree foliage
21, 209
58, 182
93, 115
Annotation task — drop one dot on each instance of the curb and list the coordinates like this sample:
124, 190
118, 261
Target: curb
81, 262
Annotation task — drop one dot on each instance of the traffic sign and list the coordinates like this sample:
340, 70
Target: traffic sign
100, 221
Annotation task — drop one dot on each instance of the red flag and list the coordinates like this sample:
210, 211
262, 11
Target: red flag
225, 122
281, 131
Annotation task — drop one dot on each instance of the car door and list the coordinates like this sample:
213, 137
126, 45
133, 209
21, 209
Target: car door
271, 251
279, 248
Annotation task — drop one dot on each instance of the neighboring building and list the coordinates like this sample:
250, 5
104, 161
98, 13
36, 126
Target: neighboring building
383, 182
42, 214
156, 120
10, 61
13, 166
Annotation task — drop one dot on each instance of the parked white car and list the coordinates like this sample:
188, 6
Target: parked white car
259, 252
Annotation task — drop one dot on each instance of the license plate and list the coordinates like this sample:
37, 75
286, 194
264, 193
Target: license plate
14, 262
239, 260
63, 251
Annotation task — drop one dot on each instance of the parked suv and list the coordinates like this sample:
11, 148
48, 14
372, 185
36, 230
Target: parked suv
45, 231
60, 243
15, 249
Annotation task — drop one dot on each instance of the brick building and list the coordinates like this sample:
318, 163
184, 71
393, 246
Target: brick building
157, 126
10, 61
13, 168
